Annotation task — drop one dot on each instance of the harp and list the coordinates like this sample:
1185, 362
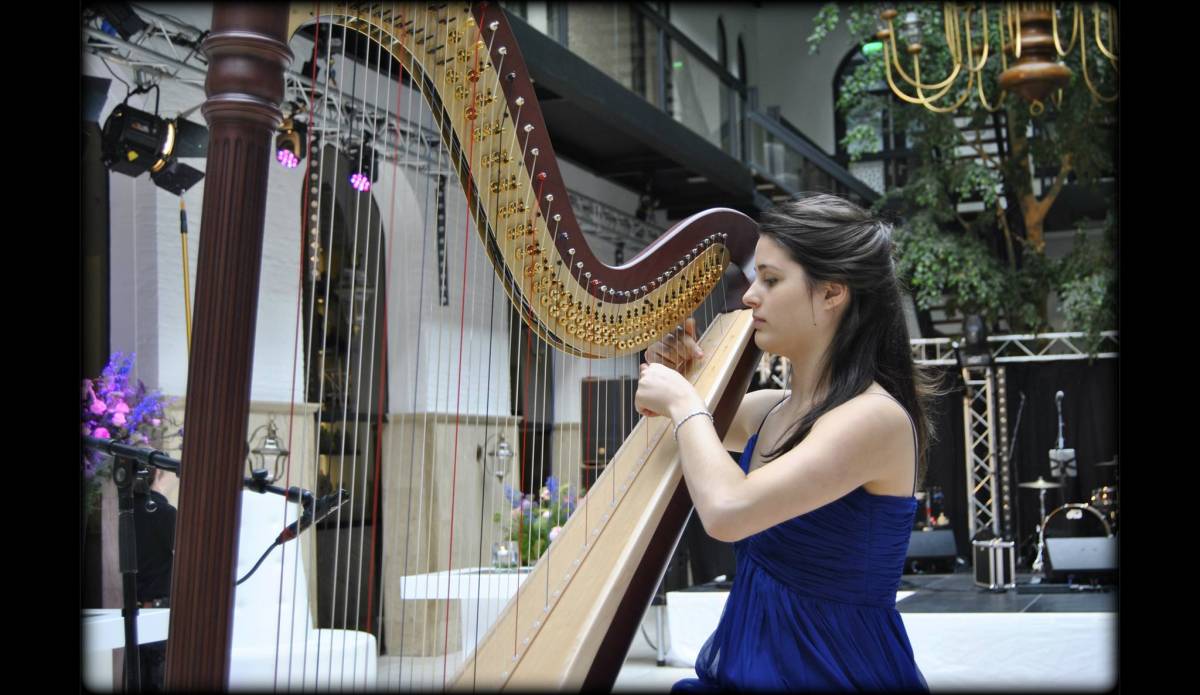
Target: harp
567, 619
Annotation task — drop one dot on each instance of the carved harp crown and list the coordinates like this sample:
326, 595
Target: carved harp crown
572, 620
470, 70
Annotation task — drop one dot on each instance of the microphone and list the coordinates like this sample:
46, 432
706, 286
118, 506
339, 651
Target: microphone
323, 508
149, 457
1058, 399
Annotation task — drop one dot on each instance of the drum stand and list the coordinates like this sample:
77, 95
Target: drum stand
1037, 561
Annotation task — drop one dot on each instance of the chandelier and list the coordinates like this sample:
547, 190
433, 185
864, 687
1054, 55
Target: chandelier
1030, 38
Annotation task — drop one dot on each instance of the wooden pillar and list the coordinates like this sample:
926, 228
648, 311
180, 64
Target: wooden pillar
248, 53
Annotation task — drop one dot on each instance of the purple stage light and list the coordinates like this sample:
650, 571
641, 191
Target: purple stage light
360, 183
287, 158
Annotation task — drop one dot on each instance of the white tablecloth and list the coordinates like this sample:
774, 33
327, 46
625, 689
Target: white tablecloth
104, 631
482, 591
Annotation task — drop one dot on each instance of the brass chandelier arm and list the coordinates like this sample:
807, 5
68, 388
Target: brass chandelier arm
923, 101
999, 101
970, 47
905, 76
1111, 31
1014, 28
1088, 79
979, 69
1074, 31
929, 102
950, 31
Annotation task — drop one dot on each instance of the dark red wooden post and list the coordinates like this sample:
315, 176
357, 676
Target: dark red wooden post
248, 53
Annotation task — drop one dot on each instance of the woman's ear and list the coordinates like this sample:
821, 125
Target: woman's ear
836, 294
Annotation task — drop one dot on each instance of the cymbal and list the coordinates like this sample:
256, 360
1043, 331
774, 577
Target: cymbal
1107, 464
1040, 484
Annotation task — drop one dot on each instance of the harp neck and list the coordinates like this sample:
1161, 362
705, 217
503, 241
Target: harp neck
468, 66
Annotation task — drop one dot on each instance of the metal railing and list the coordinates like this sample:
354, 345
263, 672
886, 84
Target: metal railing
641, 50
632, 44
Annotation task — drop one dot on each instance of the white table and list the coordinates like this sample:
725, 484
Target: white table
481, 591
104, 631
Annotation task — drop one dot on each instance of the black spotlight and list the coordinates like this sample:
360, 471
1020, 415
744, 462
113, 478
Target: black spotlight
364, 169
134, 142
119, 19
290, 143
975, 348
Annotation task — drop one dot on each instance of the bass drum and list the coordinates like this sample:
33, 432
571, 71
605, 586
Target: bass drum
1106, 501
1076, 521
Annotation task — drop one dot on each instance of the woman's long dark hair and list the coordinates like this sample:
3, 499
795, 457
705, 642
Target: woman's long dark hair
835, 240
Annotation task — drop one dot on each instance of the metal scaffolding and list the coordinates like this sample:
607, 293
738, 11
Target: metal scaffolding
985, 408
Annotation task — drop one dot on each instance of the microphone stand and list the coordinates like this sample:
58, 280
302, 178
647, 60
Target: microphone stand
130, 462
1012, 446
124, 472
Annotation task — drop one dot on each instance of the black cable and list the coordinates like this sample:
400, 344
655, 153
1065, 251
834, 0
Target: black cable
196, 46
260, 561
110, 71
647, 638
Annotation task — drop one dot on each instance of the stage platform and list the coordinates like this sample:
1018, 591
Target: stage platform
1038, 637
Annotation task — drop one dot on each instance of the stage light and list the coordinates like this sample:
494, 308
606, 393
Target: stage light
119, 19
290, 143
975, 330
364, 169
134, 142
360, 183
974, 350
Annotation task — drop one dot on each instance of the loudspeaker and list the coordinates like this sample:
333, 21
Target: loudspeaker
1087, 557
937, 543
931, 550
607, 417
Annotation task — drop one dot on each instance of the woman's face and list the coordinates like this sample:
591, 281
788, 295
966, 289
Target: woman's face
781, 301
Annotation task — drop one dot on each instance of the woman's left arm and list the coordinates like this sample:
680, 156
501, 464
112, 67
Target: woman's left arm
847, 448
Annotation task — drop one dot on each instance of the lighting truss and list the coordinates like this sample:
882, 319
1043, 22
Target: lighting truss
1013, 349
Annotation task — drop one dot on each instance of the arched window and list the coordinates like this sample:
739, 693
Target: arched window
886, 166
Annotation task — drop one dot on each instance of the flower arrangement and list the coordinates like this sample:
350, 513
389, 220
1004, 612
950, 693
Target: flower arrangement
113, 408
533, 524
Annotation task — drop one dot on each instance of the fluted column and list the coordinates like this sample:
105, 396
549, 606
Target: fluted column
248, 53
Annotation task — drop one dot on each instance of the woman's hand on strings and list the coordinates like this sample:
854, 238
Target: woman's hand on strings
678, 349
664, 391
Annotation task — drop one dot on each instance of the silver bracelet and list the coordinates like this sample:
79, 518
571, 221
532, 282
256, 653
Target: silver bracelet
689, 417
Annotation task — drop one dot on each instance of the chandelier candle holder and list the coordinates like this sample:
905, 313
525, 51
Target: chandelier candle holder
1029, 35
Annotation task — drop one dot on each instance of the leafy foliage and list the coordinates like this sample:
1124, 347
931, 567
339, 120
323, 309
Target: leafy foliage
992, 263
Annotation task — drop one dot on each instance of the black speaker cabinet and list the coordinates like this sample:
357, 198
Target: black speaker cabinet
936, 543
931, 550
607, 416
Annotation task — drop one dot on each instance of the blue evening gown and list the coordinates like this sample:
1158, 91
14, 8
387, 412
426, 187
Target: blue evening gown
813, 603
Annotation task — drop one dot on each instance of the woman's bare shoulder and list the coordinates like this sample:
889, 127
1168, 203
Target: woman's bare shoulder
754, 407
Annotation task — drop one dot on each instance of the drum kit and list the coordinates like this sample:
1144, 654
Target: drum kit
1098, 518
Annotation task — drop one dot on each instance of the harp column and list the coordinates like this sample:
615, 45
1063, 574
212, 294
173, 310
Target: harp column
248, 53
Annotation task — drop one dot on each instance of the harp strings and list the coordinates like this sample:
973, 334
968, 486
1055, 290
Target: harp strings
310, 200
424, 305
531, 366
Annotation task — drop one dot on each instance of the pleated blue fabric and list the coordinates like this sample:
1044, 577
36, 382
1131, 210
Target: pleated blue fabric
813, 603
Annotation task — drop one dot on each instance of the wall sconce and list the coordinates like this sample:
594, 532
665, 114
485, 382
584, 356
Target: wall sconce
503, 454
268, 456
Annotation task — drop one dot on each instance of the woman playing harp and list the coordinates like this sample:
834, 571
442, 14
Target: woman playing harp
820, 506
